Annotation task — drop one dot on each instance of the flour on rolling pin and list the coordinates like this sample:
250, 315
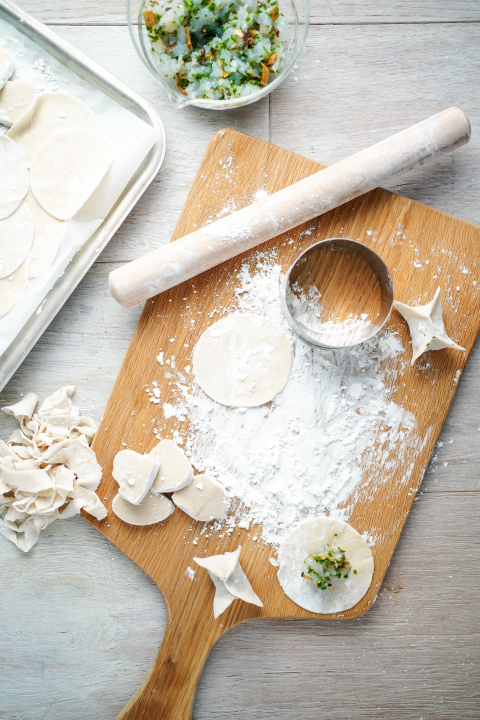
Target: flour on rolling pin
279, 462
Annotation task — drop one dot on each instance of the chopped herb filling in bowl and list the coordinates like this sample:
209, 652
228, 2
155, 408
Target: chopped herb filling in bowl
218, 54
219, 49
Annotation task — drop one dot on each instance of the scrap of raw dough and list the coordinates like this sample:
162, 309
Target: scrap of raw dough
175, 470
6, 67
14, 180
13, 287
50, 113
15, 99
16, 239
230, 581
68, 168
153, 509
47, 469
242, 360
47, 238
306, 538
426, 326
134, 474
203, 503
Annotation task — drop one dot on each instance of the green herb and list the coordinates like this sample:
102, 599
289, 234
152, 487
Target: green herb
326, 566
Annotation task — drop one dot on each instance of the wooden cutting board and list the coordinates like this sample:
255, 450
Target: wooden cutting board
234, 168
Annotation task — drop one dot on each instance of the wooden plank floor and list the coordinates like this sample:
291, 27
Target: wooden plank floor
80, 624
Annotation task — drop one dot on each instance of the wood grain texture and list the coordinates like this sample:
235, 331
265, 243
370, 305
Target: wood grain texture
427, 391
105, 12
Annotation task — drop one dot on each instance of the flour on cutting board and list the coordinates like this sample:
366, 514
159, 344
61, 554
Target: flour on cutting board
302, 454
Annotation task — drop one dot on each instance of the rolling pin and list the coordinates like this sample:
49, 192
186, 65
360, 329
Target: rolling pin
244, 229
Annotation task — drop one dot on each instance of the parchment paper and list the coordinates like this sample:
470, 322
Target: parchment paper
132, 138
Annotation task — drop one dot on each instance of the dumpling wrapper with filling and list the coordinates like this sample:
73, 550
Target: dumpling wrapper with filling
14, 181
153, 509
204, 499
67, 169
13, 287
230, 581
6, 67
47, 239
175, 470
426, 326
307, 537
15, 99
134, 474
50, 113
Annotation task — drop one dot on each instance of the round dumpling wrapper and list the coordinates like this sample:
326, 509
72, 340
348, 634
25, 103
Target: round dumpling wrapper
242, 360
6, 67
68, 168
16, 238
47, 239
306, 538
15, 99
51, 113
14, 180
12, 288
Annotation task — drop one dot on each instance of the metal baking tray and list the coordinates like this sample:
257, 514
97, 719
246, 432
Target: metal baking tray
100, 78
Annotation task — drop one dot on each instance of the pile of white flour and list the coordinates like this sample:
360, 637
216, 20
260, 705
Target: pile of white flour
302, 453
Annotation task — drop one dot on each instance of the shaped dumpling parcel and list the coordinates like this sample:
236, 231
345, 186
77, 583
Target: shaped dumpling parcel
134, 474
230, 581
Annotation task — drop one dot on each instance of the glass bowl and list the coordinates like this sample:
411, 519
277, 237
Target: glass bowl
296, 13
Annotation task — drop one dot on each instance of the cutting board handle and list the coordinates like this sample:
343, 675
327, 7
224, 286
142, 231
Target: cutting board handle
168, 691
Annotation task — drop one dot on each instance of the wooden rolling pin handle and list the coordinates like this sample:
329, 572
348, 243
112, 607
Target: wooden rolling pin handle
242, 230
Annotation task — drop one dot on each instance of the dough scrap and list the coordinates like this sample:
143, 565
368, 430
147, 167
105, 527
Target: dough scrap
7, 67
48, 236
16, 239
14, 180
175, 470
134, 474
153, 509
230, 581
51, 113
67, 169
13, 287
15, 99
47, 469
242, 360
203, 503
426, 326
305, 538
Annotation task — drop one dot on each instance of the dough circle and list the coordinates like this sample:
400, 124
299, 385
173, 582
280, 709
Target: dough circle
6, 67
242, 360
15, 99
12, 288
47, 239
152, 509
204, 499
16, 238
67, 169
50, 113
305, 538
13, 177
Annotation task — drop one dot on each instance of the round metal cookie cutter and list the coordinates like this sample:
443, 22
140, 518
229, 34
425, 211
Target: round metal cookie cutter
337, 294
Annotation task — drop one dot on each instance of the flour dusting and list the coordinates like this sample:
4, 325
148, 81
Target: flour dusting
306, 452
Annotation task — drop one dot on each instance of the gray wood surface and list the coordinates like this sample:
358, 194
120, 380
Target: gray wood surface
79, 623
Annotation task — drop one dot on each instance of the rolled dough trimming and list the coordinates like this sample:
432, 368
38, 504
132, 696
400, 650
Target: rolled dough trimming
134, 474
242, 360
175, 470
306, 538
152, 509
204, 499
67, 168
